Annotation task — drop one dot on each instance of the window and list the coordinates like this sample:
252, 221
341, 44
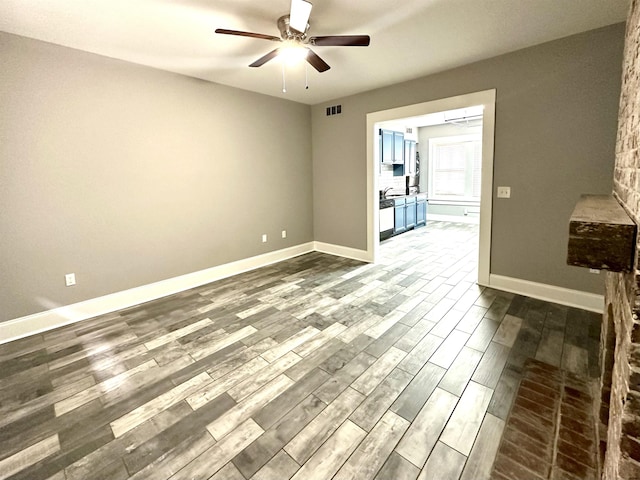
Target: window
455, 167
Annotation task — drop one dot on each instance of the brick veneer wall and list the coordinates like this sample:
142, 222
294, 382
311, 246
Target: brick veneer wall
621, 367
620, 353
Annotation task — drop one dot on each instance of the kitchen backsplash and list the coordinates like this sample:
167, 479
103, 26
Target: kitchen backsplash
386, 179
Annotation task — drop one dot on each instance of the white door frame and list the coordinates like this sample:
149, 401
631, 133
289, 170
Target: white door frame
486, 98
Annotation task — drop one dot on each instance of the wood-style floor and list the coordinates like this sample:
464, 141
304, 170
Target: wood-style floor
314, 368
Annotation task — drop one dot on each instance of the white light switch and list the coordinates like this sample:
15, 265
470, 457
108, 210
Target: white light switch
504, 192
70, 279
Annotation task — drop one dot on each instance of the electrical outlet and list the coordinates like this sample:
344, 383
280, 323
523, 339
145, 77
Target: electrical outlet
504, 192
284, 234
264, 238
594, 270
70, 279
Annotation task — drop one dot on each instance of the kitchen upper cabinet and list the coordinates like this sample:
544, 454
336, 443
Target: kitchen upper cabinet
398, 147
386, 146
391, 147
410, 157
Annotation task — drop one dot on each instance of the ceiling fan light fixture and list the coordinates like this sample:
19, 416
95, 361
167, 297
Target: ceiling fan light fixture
292, 53
295, 45
299, 16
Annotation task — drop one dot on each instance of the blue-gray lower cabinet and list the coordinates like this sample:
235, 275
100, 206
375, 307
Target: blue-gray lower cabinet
409, 212
400, 215
421, 211
410, 215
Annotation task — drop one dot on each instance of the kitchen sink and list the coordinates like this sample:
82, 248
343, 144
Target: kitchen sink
386, 202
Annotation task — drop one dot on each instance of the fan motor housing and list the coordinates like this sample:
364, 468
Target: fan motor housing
287, 32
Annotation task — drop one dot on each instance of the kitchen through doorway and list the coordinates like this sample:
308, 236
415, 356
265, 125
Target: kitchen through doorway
443, 154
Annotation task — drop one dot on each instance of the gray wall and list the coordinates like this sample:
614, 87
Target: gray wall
127, 175
556, 114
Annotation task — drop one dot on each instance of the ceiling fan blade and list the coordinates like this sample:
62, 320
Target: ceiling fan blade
269, 56
341, 41
316, 62
299, 15
248, 34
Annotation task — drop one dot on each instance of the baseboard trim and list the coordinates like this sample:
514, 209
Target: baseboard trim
340, 251
59, 317
453, 218
550, 293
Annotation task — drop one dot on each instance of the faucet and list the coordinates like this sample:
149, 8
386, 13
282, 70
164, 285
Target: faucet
384, 192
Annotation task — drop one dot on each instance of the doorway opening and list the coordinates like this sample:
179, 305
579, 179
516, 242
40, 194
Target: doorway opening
481, 108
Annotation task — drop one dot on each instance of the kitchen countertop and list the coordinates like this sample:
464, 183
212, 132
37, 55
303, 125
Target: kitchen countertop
388, 201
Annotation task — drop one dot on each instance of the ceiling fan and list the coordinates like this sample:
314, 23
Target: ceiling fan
293, 35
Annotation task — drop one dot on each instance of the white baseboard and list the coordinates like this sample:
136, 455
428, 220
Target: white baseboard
340, 251
58, 317
453, 218
564, 296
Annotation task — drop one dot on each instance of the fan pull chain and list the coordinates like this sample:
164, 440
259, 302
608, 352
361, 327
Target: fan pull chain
284, 82
306, 77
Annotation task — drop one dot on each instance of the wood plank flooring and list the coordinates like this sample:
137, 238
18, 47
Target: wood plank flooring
314, 368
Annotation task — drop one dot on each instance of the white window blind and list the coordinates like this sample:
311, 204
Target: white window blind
455, 165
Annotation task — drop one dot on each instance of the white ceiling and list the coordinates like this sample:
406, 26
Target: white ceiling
409, 38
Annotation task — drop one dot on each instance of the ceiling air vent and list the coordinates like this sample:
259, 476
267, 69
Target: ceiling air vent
334, 110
